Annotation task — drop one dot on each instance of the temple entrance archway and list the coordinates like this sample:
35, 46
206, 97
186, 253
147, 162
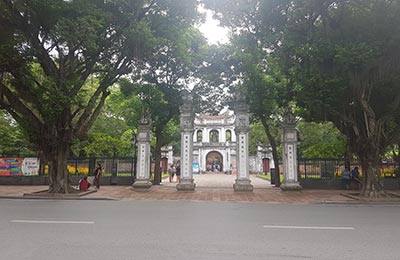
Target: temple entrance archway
214, 161
215, 136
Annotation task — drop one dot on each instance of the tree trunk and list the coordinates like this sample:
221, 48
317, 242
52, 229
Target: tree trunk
42, 162
348, 156
276, 178
396, 157
157, 160
55, 153
58, 172
371, 188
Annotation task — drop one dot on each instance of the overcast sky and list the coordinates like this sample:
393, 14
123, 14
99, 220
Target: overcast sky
211, 29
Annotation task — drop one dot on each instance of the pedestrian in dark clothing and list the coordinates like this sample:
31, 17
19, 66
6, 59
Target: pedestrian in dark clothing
355, 176
97, 174
178, 173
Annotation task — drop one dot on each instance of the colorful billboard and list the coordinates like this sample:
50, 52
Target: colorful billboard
30, 166
4, 168
10, 166
19, 166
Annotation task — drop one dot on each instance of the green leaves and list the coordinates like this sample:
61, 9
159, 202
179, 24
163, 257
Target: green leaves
360, 53
321, 140
58, 60
105, 145
13, 141
338, 54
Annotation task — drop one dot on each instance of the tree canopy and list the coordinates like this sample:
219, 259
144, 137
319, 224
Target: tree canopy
50, 50
341, 63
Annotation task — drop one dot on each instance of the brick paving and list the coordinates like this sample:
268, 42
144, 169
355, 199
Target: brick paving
209, 187
270, 195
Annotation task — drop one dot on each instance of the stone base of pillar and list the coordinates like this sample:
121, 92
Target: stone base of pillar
289, 186
186, 185
242, 185
142, 185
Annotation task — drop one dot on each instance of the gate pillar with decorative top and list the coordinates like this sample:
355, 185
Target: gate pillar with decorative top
186, 182
242, 182
142, 181
289, 139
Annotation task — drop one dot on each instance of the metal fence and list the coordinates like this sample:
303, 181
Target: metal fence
332, 168
112, 166
319, 168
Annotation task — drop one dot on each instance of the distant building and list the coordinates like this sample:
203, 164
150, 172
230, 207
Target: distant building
214, 142
214, 146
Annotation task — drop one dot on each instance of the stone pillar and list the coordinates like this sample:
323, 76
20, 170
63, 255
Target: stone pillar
143, 144
186, 182
289, 140
242, 182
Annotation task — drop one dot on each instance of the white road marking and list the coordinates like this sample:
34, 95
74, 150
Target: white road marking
51, 222
310, 227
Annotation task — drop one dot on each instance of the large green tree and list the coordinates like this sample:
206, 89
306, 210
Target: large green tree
51, 49
341, 62
111, 133
131, 100
170, 70
344, 56
263, 90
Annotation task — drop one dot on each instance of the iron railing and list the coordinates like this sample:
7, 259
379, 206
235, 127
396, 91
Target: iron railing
332, 168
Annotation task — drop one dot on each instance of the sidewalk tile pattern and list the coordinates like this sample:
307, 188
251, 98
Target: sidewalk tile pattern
209, 187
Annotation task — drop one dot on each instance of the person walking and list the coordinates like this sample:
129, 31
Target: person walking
178, 173
171, 172
97, 174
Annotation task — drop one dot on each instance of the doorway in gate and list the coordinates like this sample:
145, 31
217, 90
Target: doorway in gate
214, 162
265, 164
164, 165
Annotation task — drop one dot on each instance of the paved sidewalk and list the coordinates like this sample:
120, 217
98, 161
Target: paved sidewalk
211, 187
220, 180
269, 195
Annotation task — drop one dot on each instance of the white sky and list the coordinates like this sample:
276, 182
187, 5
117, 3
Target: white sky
212, 31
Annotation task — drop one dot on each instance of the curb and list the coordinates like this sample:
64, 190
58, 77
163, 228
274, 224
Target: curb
358, 202
26, 197
43, 194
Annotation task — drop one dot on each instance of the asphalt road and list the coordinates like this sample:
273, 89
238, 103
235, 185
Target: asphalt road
58, 230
